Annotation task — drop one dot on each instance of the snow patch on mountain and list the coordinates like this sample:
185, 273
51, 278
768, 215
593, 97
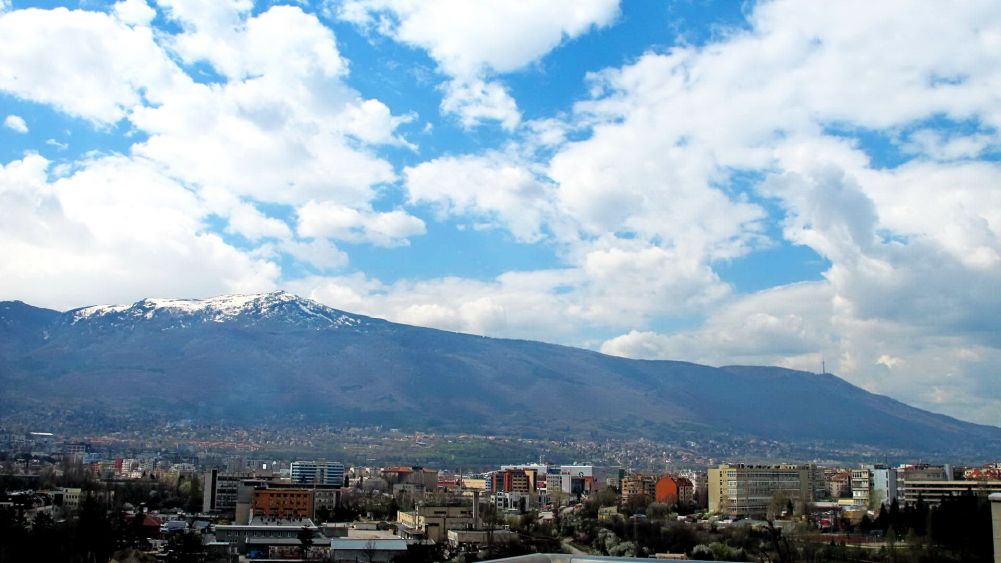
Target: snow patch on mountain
278, 305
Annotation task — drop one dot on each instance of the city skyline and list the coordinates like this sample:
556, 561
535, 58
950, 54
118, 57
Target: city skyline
767, 183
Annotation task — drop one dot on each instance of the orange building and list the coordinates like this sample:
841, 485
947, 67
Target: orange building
283, 503
666, 490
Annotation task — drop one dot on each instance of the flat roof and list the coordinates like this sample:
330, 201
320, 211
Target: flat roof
352, 544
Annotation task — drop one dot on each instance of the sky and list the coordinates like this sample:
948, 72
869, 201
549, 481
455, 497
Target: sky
788, 183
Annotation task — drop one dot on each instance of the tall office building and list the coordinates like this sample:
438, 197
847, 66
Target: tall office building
318, 472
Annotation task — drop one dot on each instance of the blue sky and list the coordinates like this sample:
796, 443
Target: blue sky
721, 182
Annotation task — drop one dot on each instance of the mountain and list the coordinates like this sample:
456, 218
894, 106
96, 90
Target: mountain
274, 356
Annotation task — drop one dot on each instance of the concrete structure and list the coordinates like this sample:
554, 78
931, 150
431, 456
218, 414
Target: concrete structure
742, 491
996, 523
318, 472
324, 496
71, 498
433, 522
700, 486
884, 484
932, 492
415, 475
219, 492
686, 490
908, 474
472, 539
282, 503
372, 550
638, 486
262, 536
861, 486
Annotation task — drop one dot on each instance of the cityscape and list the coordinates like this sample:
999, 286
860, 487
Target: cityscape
525, 281
209, 500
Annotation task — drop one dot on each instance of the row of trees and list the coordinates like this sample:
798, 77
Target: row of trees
959, 529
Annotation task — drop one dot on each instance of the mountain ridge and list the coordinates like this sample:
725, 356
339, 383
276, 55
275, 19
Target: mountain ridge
249, 355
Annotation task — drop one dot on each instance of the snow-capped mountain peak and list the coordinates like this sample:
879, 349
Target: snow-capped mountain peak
246, 308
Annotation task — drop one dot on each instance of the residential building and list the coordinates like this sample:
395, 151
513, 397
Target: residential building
636, 486
861, 485
686, 490
666, 490
416, 475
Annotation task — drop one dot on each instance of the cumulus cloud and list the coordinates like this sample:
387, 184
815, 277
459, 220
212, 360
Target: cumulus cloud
92, 237
470, 41
492, 189
332, 220
86, 64
271, 125
134, 12
15, 123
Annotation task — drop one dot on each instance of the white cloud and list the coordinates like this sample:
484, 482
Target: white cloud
248, 221
491, 188
472, 40
319, 253
134, 12
332, 220
274, 126
92, 237
86, 64
15, 123
477, 101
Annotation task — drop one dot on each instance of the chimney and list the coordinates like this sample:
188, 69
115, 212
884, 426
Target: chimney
476, 509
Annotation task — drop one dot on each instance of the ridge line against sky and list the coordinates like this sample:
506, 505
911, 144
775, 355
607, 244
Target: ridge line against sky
762, 183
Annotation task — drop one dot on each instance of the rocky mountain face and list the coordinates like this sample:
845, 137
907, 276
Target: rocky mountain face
254, 357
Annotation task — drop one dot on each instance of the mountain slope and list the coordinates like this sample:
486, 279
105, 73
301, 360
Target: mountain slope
276, 355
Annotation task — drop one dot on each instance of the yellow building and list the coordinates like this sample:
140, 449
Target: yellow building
741, 490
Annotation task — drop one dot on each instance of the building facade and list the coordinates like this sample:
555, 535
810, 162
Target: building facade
282, 504
747, 491
319, 472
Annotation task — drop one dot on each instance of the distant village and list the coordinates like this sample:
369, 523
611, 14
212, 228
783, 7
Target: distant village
167, 506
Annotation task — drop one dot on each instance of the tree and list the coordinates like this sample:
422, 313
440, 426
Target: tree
305, 541
779, 505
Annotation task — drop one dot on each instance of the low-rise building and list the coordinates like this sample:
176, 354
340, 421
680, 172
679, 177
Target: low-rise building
470, 540
933, 492
370, 550
433, 522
